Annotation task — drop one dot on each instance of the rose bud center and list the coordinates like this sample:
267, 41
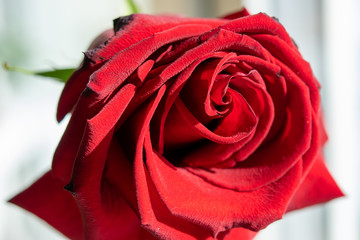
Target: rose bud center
212, 108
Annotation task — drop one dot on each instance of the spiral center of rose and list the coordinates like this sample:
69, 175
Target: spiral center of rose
212, 109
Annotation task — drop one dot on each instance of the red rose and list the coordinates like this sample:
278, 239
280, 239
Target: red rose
185, 128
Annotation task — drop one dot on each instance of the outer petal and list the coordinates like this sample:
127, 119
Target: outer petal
291, 58
47, 199
243, 13
125, 62
317, 187
86, 182
237, 234
257, 24
69, 145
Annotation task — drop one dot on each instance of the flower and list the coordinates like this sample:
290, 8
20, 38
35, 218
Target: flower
185, 128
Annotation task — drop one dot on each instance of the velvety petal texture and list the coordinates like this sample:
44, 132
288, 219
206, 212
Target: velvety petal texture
185, 128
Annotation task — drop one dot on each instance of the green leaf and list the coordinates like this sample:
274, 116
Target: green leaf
61, 75
132, 5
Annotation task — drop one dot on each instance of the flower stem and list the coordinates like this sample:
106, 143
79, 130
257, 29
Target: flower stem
132, 5
17, 69
61, 75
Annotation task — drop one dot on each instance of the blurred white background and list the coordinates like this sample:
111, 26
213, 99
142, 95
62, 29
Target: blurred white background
42, 34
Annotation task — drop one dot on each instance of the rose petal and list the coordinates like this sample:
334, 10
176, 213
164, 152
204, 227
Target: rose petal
291, 58
119, 181
78, 80
144, 69
318, 187
155, 216
68, 147
101, 216
237, 234
238, 14
47, 199
101, 39
248, 123
98, 133
253, 25
259, 23
315, 146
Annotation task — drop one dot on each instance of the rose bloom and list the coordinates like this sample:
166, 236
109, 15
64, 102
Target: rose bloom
185, 128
